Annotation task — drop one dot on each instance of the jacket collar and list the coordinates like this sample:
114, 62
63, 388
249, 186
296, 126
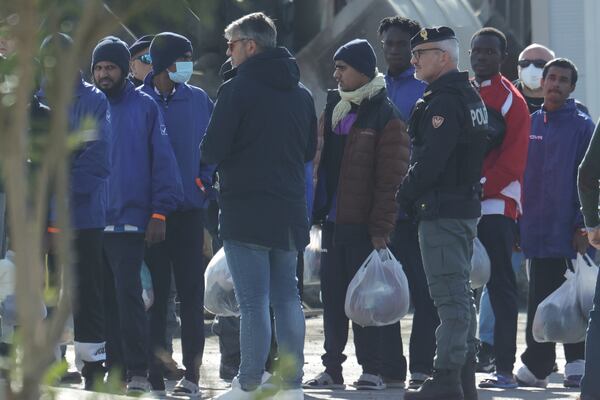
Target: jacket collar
446, 79
407, 73
494, 80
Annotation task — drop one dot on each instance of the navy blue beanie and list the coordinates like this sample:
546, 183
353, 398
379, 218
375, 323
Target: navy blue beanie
167, 47
359, 54
140, 44
114, 50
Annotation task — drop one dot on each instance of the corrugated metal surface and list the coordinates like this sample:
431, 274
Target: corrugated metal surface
360, 19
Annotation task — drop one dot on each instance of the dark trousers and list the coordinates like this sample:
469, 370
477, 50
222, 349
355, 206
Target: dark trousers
545, 276
88, 309
126, 320
405, 246
88, 305
497, 234
339, 265
182, 252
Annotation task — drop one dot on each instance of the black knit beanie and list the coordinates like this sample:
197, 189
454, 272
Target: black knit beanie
114, 50
359, 54
167, 47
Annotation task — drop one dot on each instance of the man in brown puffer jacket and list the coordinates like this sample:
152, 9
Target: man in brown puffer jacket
365, 155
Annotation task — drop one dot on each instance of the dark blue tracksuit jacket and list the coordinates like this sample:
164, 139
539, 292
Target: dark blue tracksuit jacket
145, 178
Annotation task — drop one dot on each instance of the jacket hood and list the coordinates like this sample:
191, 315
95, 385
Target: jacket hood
273, 67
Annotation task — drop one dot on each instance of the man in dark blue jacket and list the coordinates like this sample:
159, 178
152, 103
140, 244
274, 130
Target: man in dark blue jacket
145, 187
404, 90
262, 133
186, 110
552, 228
90, 167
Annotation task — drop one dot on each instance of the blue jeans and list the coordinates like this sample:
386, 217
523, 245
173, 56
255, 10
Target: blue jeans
487, 320
263, 275
590, 384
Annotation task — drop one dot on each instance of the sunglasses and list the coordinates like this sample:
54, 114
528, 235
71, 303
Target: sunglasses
526, 63
145, 58
231, 43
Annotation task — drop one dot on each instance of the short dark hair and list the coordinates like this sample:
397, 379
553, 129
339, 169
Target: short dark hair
407, 25
561, 63
489, 31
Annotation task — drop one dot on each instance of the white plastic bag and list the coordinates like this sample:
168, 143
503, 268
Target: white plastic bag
586, 273
312, 257
378, 294
219, 297
7, 276
481, 268
559, 318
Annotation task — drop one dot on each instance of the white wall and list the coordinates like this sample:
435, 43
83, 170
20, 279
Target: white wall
570, 28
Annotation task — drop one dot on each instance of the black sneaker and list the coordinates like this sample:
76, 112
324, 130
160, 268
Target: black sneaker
486, 361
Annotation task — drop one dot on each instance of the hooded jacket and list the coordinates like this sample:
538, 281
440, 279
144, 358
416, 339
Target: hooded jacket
261, 134
557, 143
186, 113
145, 178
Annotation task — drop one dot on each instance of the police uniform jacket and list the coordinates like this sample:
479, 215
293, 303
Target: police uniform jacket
448, 130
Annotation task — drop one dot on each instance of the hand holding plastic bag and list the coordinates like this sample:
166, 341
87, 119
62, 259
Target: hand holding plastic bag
378, 294
481, 267
559, 318
219, 296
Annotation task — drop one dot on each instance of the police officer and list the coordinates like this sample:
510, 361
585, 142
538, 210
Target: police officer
448, 132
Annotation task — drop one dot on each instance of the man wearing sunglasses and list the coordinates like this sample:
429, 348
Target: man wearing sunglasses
529, 67
448, 129
140, 64
261, 134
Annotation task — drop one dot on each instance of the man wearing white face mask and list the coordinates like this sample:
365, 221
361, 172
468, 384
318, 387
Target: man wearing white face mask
530, 66
186, 110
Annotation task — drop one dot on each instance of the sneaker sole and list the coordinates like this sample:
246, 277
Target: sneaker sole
527, 384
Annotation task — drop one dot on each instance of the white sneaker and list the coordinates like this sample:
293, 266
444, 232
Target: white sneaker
236, 392
291, 394
526, 378
138, 385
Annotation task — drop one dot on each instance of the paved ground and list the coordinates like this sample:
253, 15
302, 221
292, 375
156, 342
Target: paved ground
212, 385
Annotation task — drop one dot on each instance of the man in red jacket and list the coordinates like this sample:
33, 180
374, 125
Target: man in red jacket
502, 179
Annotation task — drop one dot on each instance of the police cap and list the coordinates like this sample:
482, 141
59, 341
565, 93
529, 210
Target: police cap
431, 35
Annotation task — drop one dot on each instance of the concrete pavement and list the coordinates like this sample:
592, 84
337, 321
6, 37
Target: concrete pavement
212, 385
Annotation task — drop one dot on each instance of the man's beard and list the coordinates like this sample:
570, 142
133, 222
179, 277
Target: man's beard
115, 89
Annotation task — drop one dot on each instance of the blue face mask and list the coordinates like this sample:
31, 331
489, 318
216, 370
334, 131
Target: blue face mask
183, 71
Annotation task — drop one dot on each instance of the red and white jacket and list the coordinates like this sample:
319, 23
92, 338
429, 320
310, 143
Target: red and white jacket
504, 166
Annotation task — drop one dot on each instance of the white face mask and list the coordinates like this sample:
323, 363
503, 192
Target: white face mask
531, 76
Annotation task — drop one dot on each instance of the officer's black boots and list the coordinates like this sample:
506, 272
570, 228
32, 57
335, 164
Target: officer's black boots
444, 384
467, 377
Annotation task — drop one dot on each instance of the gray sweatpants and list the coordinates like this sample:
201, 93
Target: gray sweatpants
446, 248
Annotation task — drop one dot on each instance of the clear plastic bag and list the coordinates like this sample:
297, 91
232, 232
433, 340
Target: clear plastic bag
559, 318
219, 296
378, 294
586, 273
481, 268
312, 257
